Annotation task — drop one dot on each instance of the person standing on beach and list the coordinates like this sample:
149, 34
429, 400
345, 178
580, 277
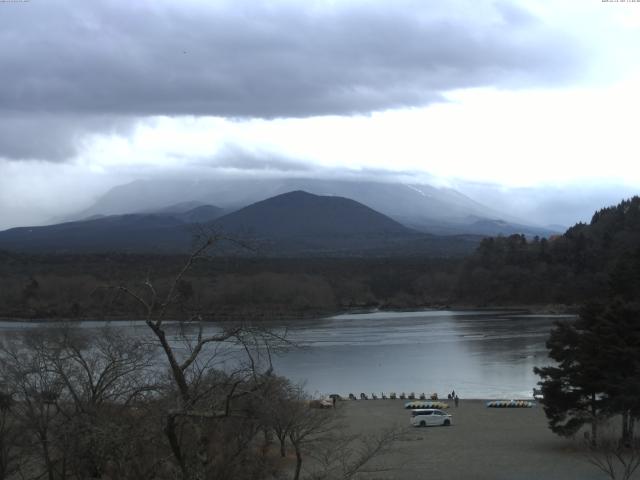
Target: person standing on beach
456, 400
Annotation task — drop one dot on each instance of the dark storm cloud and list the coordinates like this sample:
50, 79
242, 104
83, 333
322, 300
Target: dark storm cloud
52, 136
253, 59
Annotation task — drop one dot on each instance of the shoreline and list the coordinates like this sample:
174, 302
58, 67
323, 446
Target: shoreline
550, 309
481, 444
446, 400
542, 310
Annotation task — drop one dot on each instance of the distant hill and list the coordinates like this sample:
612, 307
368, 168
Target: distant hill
294, 223
122, 233
301, 214
167, 230
201, 214
437, 210
300, 222
485, 227
175, 208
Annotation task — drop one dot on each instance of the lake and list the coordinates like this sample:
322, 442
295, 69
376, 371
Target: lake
480, 354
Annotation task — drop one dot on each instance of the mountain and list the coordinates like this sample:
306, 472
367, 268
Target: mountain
423, 207
301, 214
166, 230
294, 223
175, 208
122, 233
301, 223
487, 227
201, 214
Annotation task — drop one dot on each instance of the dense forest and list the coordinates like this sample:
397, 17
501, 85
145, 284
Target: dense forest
567, 269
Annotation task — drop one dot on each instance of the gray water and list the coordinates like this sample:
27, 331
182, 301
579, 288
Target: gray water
480, 354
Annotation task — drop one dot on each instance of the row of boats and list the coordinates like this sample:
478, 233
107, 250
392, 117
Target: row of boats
423, 403
511, 404
394, 396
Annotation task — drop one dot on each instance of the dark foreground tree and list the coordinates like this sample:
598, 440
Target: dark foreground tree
598, 370
617, 326
573, 391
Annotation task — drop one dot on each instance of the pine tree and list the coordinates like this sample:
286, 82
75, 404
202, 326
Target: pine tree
598, 371
619, 333
574, 390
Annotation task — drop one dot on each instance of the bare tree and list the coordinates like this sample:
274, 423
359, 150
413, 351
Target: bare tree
617, 458
205, 392
307, 426
344, 457
107, 366
279, 401
318, 434
37, 392
104, 376
10, 438
72, 395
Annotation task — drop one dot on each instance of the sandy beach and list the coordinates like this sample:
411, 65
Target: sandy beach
483, 443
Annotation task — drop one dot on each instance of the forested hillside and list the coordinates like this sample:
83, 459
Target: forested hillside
570, 268
582, 264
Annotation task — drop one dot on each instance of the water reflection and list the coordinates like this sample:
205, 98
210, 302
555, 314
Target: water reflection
480, 354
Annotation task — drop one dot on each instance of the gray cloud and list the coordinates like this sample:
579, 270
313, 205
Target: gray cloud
36, 193
235, 161
235, 158
53, 136
108, 58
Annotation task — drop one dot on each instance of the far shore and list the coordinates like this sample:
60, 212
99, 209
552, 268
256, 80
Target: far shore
546, 309
542, 309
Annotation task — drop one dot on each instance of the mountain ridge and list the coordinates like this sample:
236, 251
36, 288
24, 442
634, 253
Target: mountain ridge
309, 214
436, 210
294, 223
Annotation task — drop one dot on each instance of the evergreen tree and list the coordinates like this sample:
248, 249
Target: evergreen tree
618, 329
624, 281
574, 390
598, 369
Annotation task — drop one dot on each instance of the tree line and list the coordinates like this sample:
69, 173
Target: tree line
595, 379
504, 271
71, 287
568, 269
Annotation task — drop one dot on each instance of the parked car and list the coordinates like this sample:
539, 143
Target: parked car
430, 416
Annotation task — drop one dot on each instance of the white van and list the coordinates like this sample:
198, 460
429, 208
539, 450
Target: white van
430, 416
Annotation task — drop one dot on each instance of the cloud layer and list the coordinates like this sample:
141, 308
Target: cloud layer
76, 68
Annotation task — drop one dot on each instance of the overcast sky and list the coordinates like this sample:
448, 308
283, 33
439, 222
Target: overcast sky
515, 96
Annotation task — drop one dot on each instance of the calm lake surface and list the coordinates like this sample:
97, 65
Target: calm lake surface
480, 354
